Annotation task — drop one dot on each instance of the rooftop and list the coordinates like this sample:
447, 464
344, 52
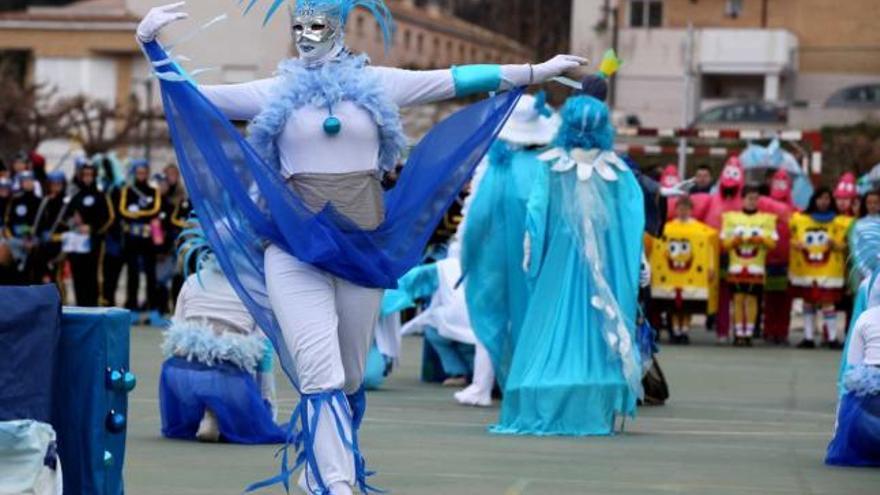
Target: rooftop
82, 11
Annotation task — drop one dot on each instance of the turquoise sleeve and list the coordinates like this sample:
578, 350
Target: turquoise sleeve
473, 79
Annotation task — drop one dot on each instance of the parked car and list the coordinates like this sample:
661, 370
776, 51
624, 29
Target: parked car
861, 96
743, 113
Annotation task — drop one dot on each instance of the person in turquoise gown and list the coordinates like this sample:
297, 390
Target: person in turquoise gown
576, 367
492, 243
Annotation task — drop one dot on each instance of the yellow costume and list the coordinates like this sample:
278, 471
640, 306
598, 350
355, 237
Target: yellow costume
747, 238
684, 263
817, 257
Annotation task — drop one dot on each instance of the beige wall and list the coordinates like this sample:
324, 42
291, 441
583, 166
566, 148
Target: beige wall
834, 35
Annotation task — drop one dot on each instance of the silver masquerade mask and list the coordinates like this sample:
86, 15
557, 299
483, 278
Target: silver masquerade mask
316, 32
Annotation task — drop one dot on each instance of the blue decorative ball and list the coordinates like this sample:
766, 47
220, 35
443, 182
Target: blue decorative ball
114, 379
332, 125
130, 381
115, 422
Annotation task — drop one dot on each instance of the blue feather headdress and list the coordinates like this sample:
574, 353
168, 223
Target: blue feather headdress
193, 251
340, 8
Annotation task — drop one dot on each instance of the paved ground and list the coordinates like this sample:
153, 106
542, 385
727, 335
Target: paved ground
741, 421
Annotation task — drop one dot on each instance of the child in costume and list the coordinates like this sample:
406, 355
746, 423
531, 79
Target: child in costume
576, 367
817, 264
848, 203
747, 236
710, 208
856, 439
846, 195
684, 266
776, 294
217, 381
297, 216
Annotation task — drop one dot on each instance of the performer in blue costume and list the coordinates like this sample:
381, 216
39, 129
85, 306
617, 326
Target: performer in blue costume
576, 366
217, 381
492, 253
297, 217
856, 439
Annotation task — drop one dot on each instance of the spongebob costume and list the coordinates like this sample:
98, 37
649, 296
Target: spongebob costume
817, 260
684, 263
747, 238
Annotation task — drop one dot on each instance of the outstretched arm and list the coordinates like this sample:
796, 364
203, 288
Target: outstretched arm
237, 101
413, 87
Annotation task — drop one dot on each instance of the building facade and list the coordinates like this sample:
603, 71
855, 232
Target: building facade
684, 56
87, 47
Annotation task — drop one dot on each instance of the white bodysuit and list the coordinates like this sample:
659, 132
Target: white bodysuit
864, 345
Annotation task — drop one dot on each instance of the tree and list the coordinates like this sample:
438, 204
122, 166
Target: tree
33, 113
100, 127
27, 116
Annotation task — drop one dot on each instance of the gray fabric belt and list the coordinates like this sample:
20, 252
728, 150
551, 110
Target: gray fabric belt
355, 195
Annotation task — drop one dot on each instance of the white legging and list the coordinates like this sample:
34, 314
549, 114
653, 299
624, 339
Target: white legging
327, 324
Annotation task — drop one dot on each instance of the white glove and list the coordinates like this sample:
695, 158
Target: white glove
157, 18
680, 189
557, 66
527, 252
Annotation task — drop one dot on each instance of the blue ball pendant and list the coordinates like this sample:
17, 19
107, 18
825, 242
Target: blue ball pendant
332, 126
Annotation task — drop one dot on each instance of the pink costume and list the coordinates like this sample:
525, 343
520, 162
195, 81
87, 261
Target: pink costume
710, 207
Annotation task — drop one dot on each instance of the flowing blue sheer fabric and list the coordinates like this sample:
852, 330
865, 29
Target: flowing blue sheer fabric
243, 203
492, 255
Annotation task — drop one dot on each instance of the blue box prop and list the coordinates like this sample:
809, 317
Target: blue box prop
91, 399
30, 325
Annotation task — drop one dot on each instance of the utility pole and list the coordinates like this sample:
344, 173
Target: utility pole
615, 38
687, 99
148, 133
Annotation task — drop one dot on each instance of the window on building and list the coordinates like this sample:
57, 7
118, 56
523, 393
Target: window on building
407, 38
449, 49
645, 13
420, 42
360, 26
436, 47
733, 8
461, 52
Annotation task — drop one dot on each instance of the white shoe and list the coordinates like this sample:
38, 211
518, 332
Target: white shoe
338, 488
471, 396
209, 428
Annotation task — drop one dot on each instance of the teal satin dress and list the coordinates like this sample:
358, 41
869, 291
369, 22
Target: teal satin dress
496, 290
575, 367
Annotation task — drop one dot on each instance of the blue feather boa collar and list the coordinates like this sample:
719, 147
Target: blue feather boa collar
344, 79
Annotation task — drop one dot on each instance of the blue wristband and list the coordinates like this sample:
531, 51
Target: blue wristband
472, 79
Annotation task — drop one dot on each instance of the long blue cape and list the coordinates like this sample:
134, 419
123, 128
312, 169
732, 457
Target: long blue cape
243, 203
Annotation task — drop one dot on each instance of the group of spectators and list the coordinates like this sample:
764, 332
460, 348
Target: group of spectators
90, 226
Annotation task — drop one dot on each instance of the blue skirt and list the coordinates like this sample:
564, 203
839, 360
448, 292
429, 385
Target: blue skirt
187, 388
